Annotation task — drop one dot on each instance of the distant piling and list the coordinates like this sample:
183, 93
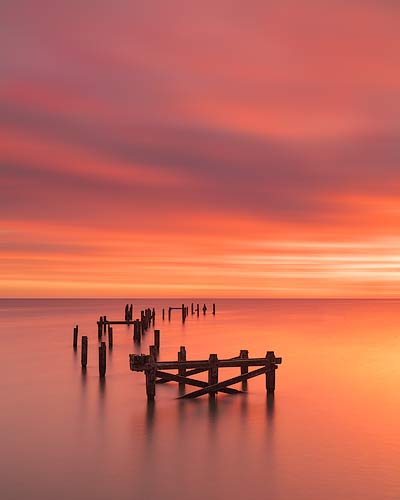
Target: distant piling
84, 352
102, 360
110, 337
157, 339
75, 337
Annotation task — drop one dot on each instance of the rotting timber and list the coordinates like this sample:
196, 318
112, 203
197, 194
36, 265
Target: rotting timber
155, 372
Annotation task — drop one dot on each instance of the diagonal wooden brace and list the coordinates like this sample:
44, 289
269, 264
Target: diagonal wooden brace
170, 377
225, 383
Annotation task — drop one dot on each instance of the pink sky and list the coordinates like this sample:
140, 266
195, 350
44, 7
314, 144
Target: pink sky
200, 148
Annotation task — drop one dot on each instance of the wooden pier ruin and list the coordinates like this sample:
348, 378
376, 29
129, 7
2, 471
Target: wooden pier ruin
155, 372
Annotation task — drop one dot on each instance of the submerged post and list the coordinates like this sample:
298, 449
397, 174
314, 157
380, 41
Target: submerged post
75, 338
213, 372
100, 327
244, 354
110, 337
270, 375
182, 357
163, 314
102, 360
192, 308
136, 331
84, 351
183, 313
157, 339
213, 310
153, 352
150, 372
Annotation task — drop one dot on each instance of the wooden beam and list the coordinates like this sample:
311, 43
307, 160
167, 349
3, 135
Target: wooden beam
189, 373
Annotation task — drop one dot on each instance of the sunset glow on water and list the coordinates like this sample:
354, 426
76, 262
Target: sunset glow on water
331, 431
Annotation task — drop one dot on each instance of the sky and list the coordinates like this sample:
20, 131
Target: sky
199, 149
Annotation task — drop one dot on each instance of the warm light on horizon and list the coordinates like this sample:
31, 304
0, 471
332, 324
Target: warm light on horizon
253, 156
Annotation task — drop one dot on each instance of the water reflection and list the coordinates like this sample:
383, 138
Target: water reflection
270, 406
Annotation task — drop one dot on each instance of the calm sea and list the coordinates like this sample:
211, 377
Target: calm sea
332, 431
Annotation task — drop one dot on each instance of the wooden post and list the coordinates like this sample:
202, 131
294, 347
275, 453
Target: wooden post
169, 314
182, 357
157, 339
183, 313
75, 339
153, 351
153, 315
136, 331
204, 309
213, 309
270, 376
244, 354
131, 312
100, 327
150, 373
213, 372
105, 324
84, 351
163, 314
110, 337
198, 310
192, 308
126, 312
102, 360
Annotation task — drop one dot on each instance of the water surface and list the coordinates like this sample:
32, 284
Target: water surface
331, 432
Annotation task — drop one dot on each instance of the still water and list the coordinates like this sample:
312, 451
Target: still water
332, 431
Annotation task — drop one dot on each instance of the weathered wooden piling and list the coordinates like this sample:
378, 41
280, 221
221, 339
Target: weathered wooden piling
100, 327
151, 378
153, 316
244, 354
136, 331
105, 324
147, 364
163, 314
244, 369
102, 360
192, 308
213, 309
126, 312
153, 351
131, 312
157, 339
183, 313
110, 337
198, 310
204, 309
169, 313
181, 359
270, 375
84, 351
75, 337
213, 373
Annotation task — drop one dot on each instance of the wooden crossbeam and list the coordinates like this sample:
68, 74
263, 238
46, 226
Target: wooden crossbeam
170, 377
225, 383
189, 373
222, 363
